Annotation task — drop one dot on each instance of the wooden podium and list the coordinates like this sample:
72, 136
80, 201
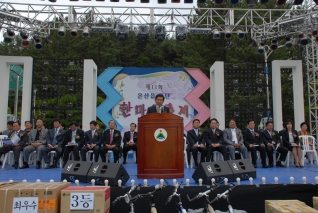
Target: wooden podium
160, 146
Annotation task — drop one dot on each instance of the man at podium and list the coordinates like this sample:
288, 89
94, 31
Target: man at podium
158, 107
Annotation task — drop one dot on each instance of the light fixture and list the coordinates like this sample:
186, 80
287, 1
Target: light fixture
24, 35
74, 31
304, 40
264, 1
95, 29
85, 31
261, 50
240, 34
122, 32
274, 44
228, 34
10, 32
200, 31
7, 38
52, 1
61, 31
301, 35
250, 3
181, 32
314, 33
47, 41
143, 32
216, 34
37, 42
280, 2
160, 33
219, 1
234, 2
298, 2
288, 42
262, 42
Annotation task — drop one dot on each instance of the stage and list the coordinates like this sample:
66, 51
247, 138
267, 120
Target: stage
246, 197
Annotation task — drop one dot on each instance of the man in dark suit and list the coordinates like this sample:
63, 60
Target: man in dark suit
17, 147
55, 142
253, 143
74, 141
37, 142
271, 139
130, 141
9, 128
111, 140
195, 142
214, 138
93, 140
158, 108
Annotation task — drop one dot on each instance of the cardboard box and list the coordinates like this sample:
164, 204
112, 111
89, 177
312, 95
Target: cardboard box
47, 195
315, 202
95, 198
287, 206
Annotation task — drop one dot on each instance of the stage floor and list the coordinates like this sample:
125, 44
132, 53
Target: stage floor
31, 175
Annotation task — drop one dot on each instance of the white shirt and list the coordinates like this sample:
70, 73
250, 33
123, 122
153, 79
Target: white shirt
234, 138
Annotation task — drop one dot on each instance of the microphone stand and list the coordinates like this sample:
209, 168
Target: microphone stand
174, 193
226, 196
127, 198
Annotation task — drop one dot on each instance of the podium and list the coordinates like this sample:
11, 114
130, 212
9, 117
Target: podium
160, 146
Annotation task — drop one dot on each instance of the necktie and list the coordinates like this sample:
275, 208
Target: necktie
54, 139
213, 131
252, 131
111, 137
158, 110
93, 133
13, 135
131, 136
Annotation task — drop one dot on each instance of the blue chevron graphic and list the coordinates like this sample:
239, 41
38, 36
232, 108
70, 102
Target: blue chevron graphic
113, 97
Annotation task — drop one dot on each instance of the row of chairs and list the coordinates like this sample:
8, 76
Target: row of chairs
306, 149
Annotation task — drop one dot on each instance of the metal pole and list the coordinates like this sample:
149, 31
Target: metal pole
16, 101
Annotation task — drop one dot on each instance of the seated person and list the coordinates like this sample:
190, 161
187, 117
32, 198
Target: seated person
37, 142
213, 138
74, 141
271, 139
92, 141
233, 140
252, 141
196, 142
55, 142
130, 141
111, 140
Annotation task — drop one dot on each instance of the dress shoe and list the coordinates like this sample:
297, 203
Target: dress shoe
124, 162
264, 166
280, 164
270, 165
0, 163
25, 166
48, 166
255, 165
38, 165
15, 165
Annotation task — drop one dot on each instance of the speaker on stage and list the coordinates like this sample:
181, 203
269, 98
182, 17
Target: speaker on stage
76, 170
242, 168
108, 171
217, 170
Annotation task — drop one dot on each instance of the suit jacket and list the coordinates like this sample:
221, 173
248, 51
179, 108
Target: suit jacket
6, 132
193, 138
96, 139
211, 137
22, 135
153, 109
285, 137
79, 139
42, 136
59, 137
227, 136
116, 137
249, 138
266, 138
126, 138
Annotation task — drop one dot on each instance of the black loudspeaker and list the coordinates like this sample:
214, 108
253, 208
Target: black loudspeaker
242, 169
76, 170
108, 171
217, 170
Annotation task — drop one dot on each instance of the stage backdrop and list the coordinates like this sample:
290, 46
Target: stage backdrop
130, 91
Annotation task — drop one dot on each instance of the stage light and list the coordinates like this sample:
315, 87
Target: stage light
52, 1
122, 32
262, 42
280, 2
173, 1
261, 50
298, 2
250, 3
316, 1
201, 31
85, 31
314, 33
227, 34
181, 32
10, 32
316, 39
304, 40
114, 0
219, 1
301, 35
144, 1
74, 31
7, 38
25, 43
162, 1
201, 1
143, 32
24, 35
288, 42
253, 44
234, 2
37, 42
188, 1
61, 31
47, 41
264, 1
160, 33
102, 29
274, 44
240, 34
216, 34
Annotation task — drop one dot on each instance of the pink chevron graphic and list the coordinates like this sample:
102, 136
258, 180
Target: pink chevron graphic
194, 96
